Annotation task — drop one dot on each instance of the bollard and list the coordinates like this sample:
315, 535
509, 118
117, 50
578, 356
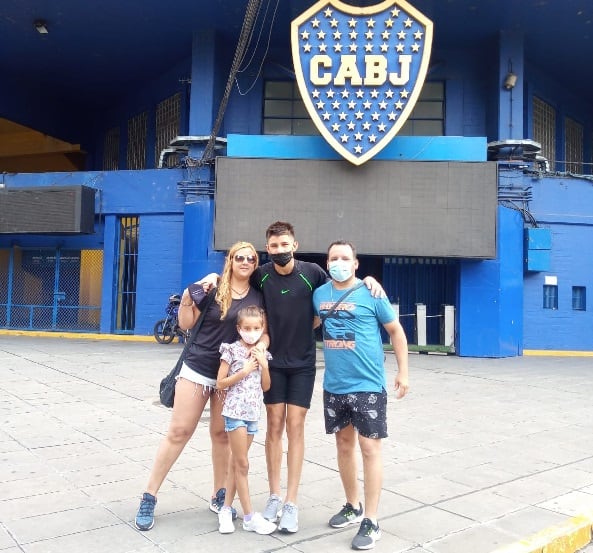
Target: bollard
420, 324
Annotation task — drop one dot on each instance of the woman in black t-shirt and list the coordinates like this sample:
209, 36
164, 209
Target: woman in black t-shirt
196, 383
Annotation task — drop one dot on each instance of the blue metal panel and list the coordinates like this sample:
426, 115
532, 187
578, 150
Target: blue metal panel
538, 238
538, 260
417, 148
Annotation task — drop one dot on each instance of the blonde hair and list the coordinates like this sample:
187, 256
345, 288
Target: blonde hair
224, 294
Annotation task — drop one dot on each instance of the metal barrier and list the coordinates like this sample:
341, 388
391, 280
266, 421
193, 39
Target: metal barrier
50, 289
447, 325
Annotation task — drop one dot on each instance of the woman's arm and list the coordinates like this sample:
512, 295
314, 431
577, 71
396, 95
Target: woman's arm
188, 312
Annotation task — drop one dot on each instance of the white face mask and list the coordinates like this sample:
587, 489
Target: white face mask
250, 337
340, 270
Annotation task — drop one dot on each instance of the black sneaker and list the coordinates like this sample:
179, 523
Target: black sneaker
217, 503
348, 515
368, 534
145, 517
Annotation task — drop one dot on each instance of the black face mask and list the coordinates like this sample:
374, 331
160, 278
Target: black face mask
281, 259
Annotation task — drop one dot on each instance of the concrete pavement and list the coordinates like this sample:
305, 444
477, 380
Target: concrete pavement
483, 455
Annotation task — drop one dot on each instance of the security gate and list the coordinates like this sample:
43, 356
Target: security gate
50, 289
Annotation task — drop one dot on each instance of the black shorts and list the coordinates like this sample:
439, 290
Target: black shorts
365, 411
293, 386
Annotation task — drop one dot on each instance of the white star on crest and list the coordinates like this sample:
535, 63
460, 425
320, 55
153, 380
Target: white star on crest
400, 47
344, 138
305, 35
399, 105
392, 116
327, 116
401, 35
369, 35
353, 35
375, 116
366, 126
394, 12
370, 23
307, 47
374, 93
352, 23
336, 104
389, 93
404, 93
345, 93
321, 35
336, 127
360, 93
351, 126
358, 149
368, 47
408, 23
381, 127
315, 23
359, 115
415, 47
372, 138
384, 47
343, 116
330, 93
353, 47
351, 104
383, 105
337, 47
323, 47
418, 35
315, 93
367, 105
385, 35
320, 104
358, 136
337, 35
333, 23
328, 13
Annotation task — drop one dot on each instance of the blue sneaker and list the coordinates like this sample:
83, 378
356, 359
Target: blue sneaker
217, 503
145, 517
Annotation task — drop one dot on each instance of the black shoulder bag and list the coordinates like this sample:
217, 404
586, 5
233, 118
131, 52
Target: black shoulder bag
167, 387
339, 301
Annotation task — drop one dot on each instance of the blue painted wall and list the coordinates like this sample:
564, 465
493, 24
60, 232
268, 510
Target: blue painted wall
565, 206
490, 312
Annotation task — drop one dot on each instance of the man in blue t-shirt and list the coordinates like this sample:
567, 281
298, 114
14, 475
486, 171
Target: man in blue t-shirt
355, 385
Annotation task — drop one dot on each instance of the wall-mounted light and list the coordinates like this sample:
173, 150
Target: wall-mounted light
41, 27
510, 81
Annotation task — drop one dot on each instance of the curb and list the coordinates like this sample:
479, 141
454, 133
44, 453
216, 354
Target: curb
78, 335
567, 537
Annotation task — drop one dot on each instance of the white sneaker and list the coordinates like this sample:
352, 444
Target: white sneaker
289, 520
273, 508
225, 521
259, 525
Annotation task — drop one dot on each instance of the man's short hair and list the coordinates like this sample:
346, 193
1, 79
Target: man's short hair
342, 243
279, 228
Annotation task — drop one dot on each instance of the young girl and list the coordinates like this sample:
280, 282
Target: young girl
245, 375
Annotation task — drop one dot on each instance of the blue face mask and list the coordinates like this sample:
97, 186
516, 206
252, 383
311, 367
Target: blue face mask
340, 271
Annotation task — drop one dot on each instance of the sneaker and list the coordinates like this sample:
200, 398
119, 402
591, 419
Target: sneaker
273, 508
225, 521
145, 517
348, 515
217, 503
259, 525
368, 534
289, 520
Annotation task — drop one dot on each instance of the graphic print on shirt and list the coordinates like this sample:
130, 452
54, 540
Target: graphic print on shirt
337, 335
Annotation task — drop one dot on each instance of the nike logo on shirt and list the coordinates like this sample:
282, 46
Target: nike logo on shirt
284, 291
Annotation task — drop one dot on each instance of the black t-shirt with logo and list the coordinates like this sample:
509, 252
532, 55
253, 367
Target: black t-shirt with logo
203, 356
289, 307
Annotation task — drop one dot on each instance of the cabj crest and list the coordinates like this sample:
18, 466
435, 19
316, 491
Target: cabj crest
360, 71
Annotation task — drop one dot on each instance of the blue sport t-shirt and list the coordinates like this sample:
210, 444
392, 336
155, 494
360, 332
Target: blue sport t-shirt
352, 344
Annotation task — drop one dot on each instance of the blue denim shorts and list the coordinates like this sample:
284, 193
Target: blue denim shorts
231, 424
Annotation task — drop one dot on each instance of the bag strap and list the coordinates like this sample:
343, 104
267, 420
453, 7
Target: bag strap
340, 300
199, 322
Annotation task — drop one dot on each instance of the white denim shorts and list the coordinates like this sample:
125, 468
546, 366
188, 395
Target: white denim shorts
209, 384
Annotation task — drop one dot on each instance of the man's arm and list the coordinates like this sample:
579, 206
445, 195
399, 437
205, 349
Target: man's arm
400, 348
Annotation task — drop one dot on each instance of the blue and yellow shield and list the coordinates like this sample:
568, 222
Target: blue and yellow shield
360, 71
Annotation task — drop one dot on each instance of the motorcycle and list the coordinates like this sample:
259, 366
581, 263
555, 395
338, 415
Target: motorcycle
166, 329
